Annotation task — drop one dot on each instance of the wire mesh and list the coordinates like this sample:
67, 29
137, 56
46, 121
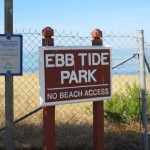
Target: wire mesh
147, 56
75, 120
2, 104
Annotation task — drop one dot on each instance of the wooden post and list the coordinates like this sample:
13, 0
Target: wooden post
98, 107
49, 111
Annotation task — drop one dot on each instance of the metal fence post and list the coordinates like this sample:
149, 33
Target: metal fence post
48, 111
9, 116
143, 87
98, 107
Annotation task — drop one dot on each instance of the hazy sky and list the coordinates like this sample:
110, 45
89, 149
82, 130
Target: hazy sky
81, 15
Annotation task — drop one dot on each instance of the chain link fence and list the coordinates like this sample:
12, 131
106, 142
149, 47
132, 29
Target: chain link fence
74, 121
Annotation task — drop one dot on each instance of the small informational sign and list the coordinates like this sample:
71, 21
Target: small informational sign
74, 74
10, 54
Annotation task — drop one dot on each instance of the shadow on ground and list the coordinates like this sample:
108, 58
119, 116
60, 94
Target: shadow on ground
72, 137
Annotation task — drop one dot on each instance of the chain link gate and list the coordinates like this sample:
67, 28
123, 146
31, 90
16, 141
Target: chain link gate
72, 120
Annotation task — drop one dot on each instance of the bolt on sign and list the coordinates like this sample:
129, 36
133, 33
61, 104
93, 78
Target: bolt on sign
74, 74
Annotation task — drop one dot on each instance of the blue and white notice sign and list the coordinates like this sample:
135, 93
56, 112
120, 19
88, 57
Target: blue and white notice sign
10, 54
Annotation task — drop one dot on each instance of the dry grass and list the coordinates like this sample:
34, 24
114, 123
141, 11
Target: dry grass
74, 122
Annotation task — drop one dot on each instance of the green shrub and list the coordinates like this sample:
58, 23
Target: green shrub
124, 105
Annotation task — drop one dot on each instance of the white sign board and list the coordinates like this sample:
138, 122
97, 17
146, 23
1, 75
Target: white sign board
10, 54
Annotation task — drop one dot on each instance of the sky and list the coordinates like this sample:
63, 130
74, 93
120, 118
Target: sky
81, 15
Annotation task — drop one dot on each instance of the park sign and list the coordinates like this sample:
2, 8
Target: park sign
74, 74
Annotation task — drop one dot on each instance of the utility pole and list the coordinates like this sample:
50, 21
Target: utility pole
9, 112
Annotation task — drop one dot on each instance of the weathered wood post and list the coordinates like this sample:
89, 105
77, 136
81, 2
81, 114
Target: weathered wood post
49, 111
98, 107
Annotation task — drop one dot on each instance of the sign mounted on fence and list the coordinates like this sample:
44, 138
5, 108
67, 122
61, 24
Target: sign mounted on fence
10, 54
74, 74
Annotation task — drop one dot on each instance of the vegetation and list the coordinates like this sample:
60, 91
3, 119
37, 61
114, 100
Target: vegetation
125, 105
74, 122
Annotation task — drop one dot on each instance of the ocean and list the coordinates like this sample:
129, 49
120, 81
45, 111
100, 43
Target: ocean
131, 67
